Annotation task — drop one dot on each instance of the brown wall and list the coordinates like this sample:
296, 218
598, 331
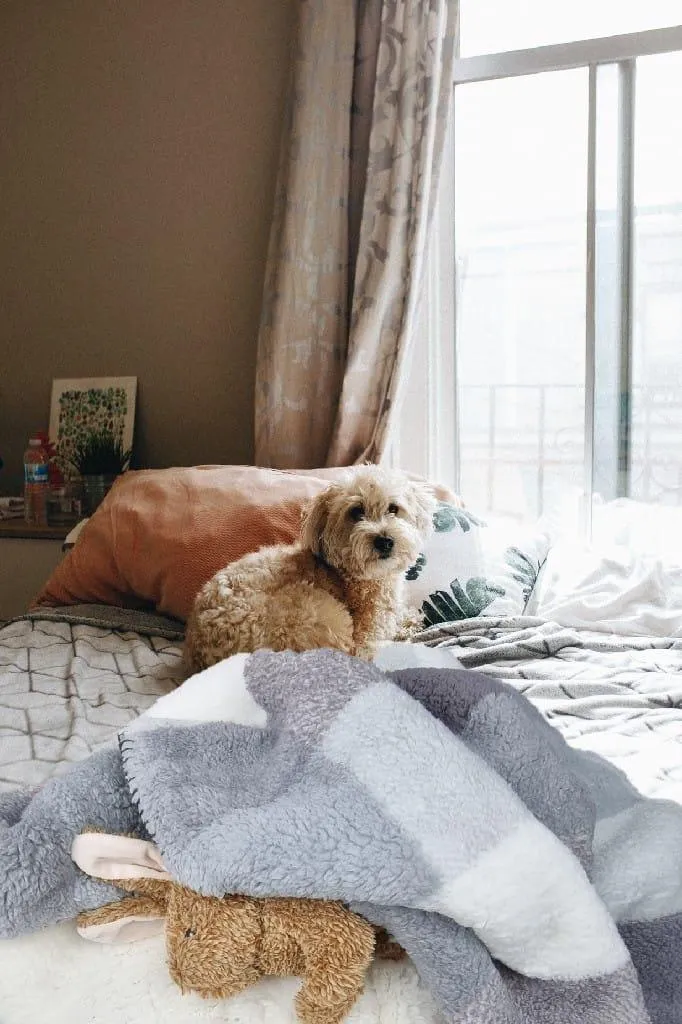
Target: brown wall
138, 151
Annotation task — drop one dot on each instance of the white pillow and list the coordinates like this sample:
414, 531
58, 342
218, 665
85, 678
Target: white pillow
470, 568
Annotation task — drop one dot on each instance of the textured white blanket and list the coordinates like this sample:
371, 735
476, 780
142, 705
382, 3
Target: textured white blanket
58, 978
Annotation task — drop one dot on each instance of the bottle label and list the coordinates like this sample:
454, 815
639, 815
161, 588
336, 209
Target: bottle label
36, 473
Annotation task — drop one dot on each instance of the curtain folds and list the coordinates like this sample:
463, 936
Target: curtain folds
362, 147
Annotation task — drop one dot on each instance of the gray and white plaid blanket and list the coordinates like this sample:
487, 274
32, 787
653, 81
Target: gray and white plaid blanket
71, 678
530, 883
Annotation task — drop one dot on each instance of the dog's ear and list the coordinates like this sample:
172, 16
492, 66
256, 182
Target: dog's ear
421, 504
314, 520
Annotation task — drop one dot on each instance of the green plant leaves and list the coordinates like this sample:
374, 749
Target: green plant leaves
100, 452
83, 413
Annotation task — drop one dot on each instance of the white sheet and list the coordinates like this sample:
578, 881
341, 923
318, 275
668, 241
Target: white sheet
612, 588
647, 529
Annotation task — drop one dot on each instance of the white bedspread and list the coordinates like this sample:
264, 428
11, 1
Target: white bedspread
58, 978
612, 588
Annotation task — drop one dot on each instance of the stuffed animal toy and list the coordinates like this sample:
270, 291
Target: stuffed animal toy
217, 947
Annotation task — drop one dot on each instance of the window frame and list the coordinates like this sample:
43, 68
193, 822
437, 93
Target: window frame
436, 350
564, 56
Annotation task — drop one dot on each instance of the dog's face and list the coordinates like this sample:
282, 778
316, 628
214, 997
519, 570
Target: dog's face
372, 526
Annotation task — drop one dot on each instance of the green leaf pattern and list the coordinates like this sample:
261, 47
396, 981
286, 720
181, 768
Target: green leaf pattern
82, 413
524, 570
414, 571
468, 598
462, 603
448, 517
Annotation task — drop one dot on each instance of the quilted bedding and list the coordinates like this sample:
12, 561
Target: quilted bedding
70, 680
619, 696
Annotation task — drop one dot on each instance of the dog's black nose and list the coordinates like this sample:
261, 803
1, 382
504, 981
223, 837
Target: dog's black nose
384, 545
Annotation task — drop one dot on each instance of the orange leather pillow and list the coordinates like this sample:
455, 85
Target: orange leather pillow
161, 533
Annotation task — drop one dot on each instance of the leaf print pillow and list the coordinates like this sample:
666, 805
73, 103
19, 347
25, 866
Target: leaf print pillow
448, 517
460, 603
471, 568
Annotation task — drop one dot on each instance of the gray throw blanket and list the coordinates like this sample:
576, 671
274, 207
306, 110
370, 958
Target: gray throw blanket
529, 882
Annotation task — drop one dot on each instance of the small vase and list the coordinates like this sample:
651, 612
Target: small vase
95, 490
65, 503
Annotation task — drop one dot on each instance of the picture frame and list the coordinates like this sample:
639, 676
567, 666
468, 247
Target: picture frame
82, 405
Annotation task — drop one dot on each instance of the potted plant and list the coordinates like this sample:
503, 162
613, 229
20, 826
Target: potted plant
99, 459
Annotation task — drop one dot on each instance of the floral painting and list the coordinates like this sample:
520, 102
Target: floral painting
91, 405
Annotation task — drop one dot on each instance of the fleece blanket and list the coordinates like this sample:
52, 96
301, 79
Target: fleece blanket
529, 882
616, 695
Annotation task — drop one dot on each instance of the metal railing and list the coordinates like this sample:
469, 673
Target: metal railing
522, 426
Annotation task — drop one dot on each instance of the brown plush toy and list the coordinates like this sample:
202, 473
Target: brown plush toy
218, 947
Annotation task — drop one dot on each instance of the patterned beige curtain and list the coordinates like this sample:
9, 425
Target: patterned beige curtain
358, 172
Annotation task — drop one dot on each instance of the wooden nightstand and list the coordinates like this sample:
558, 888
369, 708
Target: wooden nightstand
28, 554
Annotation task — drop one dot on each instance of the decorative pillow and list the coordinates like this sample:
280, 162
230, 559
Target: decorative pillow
470, 568
161, 533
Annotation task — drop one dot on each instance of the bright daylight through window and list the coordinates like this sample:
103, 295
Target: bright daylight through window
567, 198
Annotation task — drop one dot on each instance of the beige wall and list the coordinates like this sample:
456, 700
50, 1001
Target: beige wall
138, 150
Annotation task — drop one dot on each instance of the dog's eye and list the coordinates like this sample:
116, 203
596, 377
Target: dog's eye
190, 933
393, 510
357, 513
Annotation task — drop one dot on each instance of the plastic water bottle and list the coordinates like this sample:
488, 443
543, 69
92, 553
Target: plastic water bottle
36, 483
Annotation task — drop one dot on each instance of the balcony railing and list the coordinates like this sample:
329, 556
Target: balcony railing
522, 444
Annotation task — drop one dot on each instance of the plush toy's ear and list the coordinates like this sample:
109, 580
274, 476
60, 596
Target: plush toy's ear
114, 857
129, 920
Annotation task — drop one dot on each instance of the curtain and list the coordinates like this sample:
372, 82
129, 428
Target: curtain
362, 145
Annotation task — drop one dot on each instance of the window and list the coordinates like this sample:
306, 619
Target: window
553, 323
520, 215
493, 26
656, 408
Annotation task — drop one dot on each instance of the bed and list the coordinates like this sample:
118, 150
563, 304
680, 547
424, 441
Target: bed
72, 677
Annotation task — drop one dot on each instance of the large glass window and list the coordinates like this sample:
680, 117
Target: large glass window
656, 434
568, 254
520, 223
492, 26
548, 364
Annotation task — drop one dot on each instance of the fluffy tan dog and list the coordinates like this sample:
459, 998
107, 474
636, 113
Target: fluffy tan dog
340, 586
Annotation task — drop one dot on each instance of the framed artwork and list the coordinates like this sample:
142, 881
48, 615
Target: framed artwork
86, 405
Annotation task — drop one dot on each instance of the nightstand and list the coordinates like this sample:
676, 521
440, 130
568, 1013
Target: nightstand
28, 554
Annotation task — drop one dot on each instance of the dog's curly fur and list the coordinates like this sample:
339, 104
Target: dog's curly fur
340, 586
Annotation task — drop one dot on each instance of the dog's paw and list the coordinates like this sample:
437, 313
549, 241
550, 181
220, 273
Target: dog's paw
366, 652
410, 624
